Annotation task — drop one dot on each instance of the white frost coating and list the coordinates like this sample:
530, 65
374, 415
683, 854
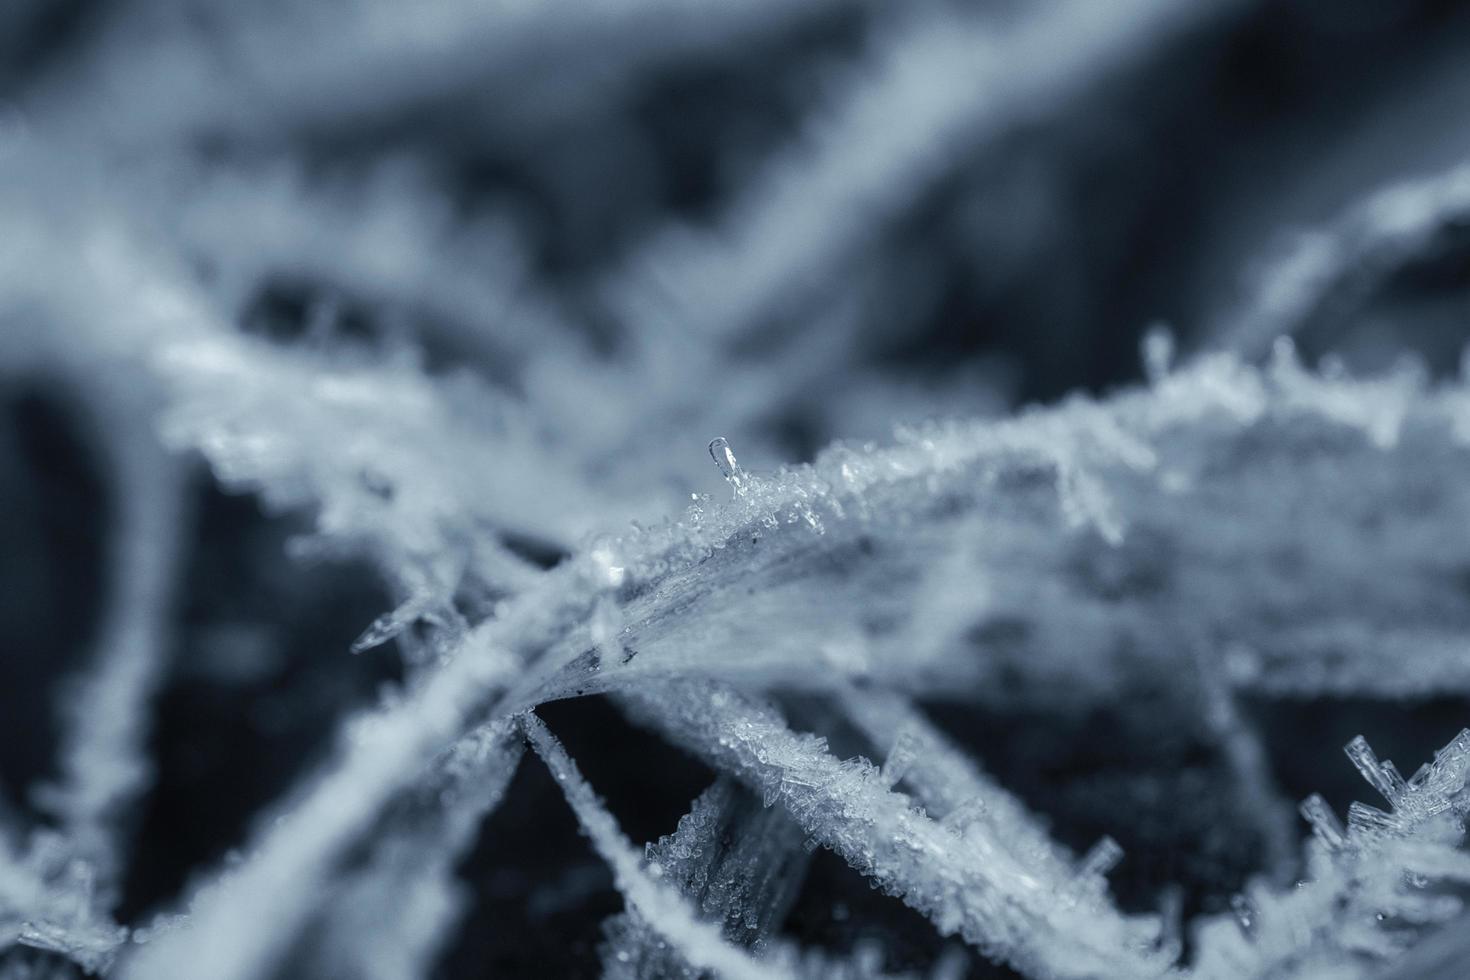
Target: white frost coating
658, 903
1277, 532
1250, 496
262, 414
1212, 445
966, 882
336, 468
809, 508
1216, 399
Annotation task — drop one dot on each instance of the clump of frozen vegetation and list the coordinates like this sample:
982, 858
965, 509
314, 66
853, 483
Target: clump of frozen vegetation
522, 457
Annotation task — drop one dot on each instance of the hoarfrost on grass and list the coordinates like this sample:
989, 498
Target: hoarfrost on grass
1247, 526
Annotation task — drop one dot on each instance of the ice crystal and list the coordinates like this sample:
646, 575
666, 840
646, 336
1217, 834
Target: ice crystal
1371, 890
724, 458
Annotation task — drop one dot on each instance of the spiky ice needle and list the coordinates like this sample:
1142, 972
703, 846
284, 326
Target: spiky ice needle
724, 457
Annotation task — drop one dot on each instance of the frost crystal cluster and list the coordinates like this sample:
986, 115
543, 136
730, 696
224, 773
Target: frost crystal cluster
682, 489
